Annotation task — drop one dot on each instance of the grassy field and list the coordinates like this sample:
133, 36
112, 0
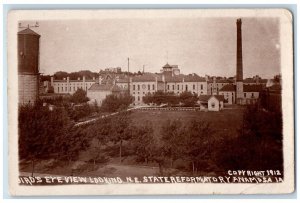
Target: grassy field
224, 122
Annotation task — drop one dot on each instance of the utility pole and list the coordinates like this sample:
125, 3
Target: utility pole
128, 76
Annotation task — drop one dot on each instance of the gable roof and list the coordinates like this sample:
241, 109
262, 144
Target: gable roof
219, 97
28, 31
228, 88
205, 98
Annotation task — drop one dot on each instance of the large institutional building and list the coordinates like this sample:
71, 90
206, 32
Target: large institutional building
234, 90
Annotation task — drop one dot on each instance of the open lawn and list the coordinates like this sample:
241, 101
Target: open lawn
225, 122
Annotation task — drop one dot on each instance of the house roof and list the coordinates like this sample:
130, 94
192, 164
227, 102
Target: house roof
205, 98
104, 87
228, 88
219, 97
28, 31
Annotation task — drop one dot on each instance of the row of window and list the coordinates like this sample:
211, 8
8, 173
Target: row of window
73, 84
70, 89
143, 86
186, 87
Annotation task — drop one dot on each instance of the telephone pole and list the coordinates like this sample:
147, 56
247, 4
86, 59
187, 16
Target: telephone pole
128, 76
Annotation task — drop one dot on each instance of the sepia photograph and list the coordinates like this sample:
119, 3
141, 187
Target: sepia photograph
145, 101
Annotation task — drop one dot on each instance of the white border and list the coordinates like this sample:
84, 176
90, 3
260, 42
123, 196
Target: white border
288, 114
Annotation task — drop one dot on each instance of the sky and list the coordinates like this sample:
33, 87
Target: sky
206, 46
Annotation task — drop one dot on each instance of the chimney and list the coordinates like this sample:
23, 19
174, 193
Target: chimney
83, 78
239, 53
68, 78
52, 81
93, 78
206, 78
78, 78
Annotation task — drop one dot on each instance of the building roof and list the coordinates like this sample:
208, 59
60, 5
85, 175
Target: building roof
187, 78
219, 97
205, 98
147, 77
252, 88
228, 88
104, 87
28, 31
246, 88
221, 81
167, 66
275, 87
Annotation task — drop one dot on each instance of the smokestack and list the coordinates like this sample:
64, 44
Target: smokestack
239, 53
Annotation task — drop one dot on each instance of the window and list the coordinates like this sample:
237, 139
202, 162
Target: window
213, 105
201, 86
177, 87
133, 87
74, 88
252, 94
153, 87
148, 87
70, 88
245, 94
138, 98
186, 87
62, 89
57, 89
168, 87
138, 87
193, 87
173, 87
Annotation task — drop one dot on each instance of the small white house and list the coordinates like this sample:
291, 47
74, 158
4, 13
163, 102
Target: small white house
211, 102
215, 103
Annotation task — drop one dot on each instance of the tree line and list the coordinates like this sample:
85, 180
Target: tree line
186, 99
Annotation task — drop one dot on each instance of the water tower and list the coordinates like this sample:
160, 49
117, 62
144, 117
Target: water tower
28, 66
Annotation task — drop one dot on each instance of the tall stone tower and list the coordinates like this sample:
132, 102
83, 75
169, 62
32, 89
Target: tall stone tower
239, 64
28, 66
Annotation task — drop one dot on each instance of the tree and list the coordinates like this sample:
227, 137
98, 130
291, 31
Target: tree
121, 130
79, 97
171, 136
188, 99
113, 102
161, 97
40, 132
72, 143
143, 142
99, 132
258, 145
197, 141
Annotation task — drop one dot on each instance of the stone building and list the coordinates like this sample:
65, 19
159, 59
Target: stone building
67, 86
